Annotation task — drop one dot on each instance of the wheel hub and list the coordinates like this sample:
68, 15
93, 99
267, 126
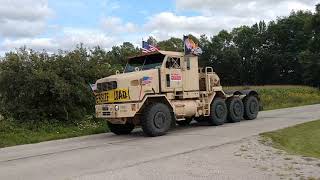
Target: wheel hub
159, 120
237, 109
220, 111
253, 107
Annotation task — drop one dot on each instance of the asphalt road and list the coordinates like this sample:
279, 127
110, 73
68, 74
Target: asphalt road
196, 152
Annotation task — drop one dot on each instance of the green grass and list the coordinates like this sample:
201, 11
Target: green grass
277, 97
16, 133
303, 139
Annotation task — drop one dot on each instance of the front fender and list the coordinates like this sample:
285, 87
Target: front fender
156, 98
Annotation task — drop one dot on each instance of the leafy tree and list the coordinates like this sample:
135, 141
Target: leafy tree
172, 44
151, 40
119, 54
310, 59
311, 67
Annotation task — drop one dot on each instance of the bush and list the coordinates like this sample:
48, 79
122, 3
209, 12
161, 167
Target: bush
41, 87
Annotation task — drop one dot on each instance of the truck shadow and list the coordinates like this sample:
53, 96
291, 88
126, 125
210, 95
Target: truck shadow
194, 125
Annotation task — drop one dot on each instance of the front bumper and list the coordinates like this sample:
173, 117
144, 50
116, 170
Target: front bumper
117, 111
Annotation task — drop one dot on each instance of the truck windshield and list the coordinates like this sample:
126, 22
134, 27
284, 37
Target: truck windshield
153, 61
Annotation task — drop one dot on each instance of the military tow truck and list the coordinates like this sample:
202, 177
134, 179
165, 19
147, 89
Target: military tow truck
159, 89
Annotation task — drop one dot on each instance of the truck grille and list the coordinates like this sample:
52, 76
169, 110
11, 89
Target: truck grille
107, 86
106, 113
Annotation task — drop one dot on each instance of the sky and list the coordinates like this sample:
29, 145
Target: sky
63, 24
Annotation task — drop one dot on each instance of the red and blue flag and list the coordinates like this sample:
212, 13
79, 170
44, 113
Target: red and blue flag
146, 80
147, 48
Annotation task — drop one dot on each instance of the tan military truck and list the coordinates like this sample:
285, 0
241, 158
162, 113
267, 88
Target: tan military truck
159, 89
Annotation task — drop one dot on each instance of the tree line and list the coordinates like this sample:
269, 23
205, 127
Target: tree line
41, 86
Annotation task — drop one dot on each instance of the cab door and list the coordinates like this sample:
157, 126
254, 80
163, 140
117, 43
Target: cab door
171, 75
190, 74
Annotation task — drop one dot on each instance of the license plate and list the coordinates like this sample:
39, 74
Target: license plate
112, 96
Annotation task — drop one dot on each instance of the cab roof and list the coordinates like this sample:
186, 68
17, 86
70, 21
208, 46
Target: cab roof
169, 53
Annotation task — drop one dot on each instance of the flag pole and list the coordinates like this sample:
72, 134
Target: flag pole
184, 45
142, 46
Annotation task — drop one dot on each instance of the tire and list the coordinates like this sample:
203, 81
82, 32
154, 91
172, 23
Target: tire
235, 109
156, 119
218, 112
184, 122
251, 107
120, 129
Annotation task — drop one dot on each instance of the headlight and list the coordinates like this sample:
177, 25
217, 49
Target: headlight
116, 108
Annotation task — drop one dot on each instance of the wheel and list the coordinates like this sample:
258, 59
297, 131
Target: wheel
251, 107
156, 119
235, 109
218, 112
184, 122
120, 129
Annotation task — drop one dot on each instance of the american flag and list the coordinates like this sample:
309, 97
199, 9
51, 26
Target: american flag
146, 80
147, 48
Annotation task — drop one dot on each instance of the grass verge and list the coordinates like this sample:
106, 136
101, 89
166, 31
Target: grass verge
16, 133
301, 139
277, 97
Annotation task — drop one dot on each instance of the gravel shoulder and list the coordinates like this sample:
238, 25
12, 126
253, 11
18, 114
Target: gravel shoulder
245, 159
260, 154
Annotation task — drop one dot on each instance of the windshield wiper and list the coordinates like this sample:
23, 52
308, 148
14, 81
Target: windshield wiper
144, 62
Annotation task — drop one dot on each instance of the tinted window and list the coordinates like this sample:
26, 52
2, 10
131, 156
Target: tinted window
173, 63
106, 86
145, 62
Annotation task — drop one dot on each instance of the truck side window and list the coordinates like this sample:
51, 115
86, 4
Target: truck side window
188, 64
168, 80
173, 63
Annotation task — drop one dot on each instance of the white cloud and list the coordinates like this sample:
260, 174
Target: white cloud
220, 14
35, 43
16, 28
21, 22
262, 9
167, 24
68, 40
113, 32
117, 25
23, 18
89, 37
234, 7
28, 10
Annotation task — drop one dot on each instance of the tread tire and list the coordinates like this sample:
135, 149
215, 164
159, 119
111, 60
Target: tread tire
156, 119
235, 109
251, 107
218, 112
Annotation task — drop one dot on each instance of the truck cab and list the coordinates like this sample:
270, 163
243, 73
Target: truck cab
159, 89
